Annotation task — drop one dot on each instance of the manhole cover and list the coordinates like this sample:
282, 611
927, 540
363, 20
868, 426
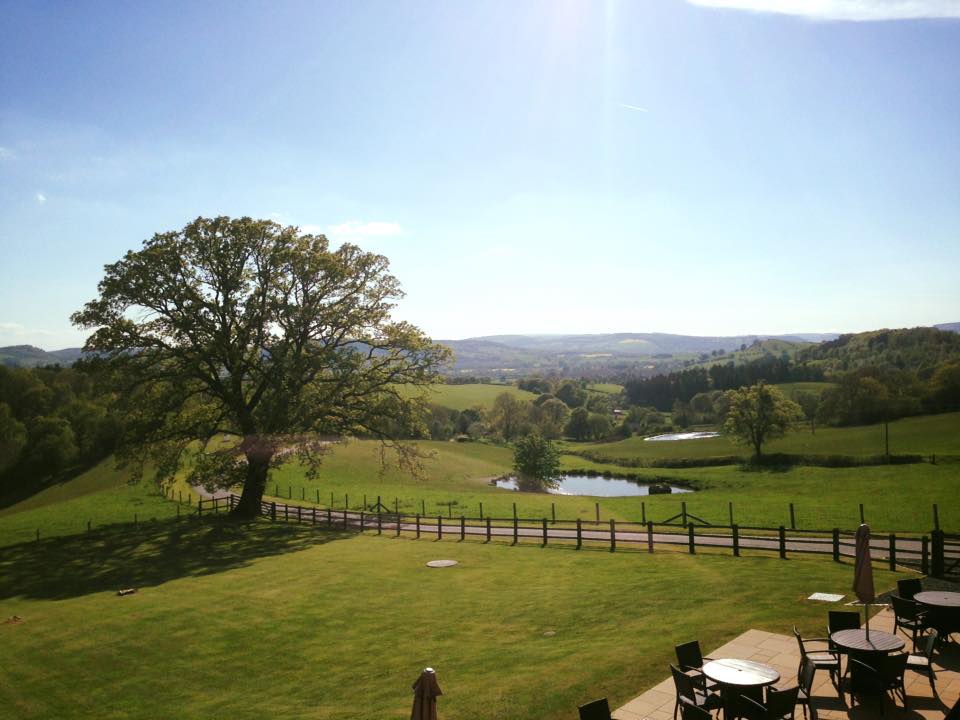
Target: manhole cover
441, 563
825, 597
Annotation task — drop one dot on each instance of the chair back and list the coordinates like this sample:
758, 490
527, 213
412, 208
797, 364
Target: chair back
893, 667
908, 588
749, 704
689, 656
782, 703
903, 608
842, 620
865, 679
805, 676
925, 645
684, 684
689, 711
803, 651
596, 710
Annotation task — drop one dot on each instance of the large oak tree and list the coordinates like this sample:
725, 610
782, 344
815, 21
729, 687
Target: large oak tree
244, 328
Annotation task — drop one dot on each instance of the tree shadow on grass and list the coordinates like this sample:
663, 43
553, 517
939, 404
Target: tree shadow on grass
126, 556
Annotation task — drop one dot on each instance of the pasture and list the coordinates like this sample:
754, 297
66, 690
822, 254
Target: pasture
271, 620
464, 397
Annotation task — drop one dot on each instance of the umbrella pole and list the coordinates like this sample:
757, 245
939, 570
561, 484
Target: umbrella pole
866, 616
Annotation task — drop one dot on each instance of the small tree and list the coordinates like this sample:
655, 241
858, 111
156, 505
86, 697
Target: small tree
536, 461
758, 414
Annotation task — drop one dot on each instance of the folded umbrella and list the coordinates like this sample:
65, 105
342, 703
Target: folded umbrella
425, 693
863, 572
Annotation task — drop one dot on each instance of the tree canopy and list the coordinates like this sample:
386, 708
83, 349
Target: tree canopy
244, 328
536, 461
759, 413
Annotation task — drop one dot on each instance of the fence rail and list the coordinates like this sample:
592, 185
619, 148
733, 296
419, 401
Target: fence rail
935, 554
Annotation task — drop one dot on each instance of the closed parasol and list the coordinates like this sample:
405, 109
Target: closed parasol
425, 693
863, 573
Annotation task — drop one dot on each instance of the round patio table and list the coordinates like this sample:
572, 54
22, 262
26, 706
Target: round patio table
857, 641
733, 676
936, 598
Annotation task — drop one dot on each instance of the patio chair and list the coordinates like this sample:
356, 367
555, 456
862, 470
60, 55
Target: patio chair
921, 659
841, 620
907, 616
690, 659
595, 710
827, 660
746, 703
908, 588
805, 683
688, 711
884, 676
954, 713
689, 692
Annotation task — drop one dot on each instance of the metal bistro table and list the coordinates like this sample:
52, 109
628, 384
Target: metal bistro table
944, 610
735, 676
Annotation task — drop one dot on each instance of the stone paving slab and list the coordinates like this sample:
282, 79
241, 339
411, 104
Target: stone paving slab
781, 652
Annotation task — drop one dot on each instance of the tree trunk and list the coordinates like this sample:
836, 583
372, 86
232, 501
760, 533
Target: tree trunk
258, 463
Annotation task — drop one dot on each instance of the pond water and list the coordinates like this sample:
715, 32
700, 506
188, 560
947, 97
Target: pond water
684, 436
596, 486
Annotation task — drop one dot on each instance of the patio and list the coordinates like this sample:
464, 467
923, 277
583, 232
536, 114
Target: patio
781, 652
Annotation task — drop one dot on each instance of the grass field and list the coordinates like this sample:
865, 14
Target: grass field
924, 435
463, 397
279, 621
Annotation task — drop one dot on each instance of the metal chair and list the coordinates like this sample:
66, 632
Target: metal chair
690, 659
907, 616
841, 620
884, 676
688, 711
921, 659
595, 710
908, 588
827, 660
805, 683
689, 692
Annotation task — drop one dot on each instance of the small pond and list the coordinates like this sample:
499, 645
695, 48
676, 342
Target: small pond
597, 486
683, 436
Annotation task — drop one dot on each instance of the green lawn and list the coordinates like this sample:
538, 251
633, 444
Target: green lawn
280, 621
463, 397
926, 435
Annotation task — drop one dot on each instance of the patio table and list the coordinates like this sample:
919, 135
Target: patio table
944, 611
734, 676
856, 641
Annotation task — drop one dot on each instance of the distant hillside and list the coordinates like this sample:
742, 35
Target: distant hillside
623, 351
917, 349
30, 356
950, 327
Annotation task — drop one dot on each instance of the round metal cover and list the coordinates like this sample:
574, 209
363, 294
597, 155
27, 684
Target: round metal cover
441, 563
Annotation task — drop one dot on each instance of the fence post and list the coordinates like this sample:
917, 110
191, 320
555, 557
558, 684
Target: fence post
344, 519
893, 552
836, 544
313, 519
936, 517
579, 534
199, 507
423, 507
346, 501
553, 511
925, 555
289, 492
793, 522
650, 536
439, 527
544, 532
329, 517
418, 526
514, 512
303, 493
488, 530
597, 508
613, 535
515, 530
286, 513
683, 511
379, 523
273, 512
783, 542
643, 512
861, 514
481, 511
180, 496
364, 501
450, 509
318, 496
937, 561
398, 524
730, 509
463, 529
690, 539
396, 505
362, 520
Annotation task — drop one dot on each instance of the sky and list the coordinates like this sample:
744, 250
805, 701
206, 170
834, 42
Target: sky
709, 167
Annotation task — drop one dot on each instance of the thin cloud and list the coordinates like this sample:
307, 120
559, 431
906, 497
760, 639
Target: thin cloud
850, 10
41, 198
634, 107
357, 228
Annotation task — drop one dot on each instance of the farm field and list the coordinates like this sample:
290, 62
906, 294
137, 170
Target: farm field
243, 621
464, 397
924, 435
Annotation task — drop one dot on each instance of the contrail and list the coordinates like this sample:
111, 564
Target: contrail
634, 107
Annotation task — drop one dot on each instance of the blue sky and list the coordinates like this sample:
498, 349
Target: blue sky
708, 167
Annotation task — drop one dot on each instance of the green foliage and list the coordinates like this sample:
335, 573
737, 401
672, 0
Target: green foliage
13, 438
572, 393
578, 426
944, 393
758, 414
509, 416
919, 350
551, 417
239, 326
536, 462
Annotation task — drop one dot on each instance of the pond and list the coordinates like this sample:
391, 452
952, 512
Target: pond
596, 486
683, 436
